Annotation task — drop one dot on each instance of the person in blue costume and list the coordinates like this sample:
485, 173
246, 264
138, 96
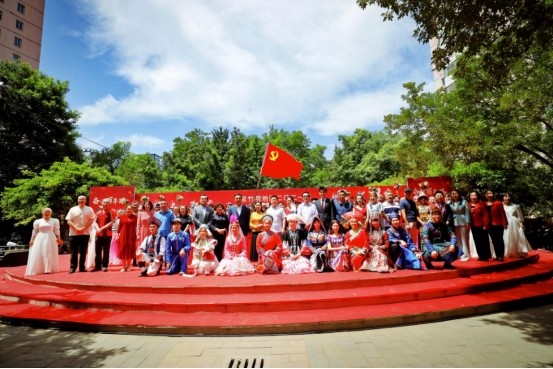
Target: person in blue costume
439, 241
177, 249
403, 250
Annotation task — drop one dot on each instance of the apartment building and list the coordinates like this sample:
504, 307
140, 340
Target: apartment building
21, 23
443, 78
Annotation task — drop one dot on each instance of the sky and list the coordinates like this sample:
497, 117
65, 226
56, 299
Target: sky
149, 71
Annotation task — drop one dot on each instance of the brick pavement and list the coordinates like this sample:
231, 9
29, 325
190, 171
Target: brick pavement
522, 338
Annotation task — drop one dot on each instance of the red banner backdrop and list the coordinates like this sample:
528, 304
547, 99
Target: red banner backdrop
122, 195
429, 185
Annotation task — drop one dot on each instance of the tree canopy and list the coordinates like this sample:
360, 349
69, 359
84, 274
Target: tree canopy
56, 187
500, 31
36, 125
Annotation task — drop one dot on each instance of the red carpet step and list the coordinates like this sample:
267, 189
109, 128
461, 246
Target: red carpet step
123, 302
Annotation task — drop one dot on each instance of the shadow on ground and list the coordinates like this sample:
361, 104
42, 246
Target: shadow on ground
19, 346
536, 323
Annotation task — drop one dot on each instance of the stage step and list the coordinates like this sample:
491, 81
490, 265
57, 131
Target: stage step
242, 307
268, 300
286, 322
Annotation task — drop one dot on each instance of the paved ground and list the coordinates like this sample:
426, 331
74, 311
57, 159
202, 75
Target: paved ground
522, 338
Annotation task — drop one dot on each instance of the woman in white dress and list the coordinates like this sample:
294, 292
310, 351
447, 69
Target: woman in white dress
235, 261
516, 244
43, 247
91, 251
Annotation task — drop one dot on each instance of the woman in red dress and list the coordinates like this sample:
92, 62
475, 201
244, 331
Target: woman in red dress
357, 242
126, 244
269, 249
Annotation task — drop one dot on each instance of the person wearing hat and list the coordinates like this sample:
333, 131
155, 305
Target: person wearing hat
423, 208
439, 241
402, 251
204, 260
294, 248
378, 259
149, 255
409, 214
317, 245
177, 249
269, 248
357, 241
235, 257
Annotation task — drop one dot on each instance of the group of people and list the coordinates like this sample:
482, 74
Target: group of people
316, 235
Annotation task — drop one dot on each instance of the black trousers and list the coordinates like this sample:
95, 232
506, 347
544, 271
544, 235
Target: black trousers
394, 251
78, 246
253, 247
481, 242
496, 233
102, 252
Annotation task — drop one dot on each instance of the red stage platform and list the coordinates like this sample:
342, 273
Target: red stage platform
263, 304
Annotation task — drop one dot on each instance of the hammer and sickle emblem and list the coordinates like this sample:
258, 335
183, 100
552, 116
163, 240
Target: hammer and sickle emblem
273, 156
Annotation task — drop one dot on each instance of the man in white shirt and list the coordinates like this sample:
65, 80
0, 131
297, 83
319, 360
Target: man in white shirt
80, 219
307, 211
278, 214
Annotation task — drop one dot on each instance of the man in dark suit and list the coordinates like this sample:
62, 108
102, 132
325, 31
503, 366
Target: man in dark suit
325, 208
242, 212
202, 212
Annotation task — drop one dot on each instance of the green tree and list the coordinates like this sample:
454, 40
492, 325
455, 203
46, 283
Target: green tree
501, 32
242, 161
478, 137
189, 165
364, 158
37, 128
112, 157
141, 171
56, 187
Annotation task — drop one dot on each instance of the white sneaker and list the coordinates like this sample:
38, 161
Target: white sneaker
464, 258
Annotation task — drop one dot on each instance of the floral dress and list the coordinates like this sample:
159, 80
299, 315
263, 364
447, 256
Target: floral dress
339, 260
378, 260
294, 249
269, 249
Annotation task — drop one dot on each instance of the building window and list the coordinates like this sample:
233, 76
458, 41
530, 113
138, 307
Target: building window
19, 24
16, 57
1, 12
21, 8
17, 41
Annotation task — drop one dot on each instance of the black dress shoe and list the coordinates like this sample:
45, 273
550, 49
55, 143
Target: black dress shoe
449, 266
96, 270
500, 259
71, 271
82, 270
105, 269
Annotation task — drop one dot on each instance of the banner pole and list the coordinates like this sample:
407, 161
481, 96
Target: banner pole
260, 170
